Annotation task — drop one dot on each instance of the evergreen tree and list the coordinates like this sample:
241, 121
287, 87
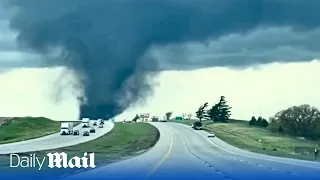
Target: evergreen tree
253, 121
264, 123
223, 110
220, 112
213, 113
259, 121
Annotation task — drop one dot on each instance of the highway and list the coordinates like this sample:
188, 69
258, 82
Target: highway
55, 140
182, 152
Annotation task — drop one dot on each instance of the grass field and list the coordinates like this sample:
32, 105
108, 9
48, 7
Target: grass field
238, 133
25, 128
123, 141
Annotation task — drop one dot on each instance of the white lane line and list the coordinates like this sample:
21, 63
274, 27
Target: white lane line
249, 155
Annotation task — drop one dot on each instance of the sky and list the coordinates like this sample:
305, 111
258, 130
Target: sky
261, 65
29, 92
256, 91
259, 91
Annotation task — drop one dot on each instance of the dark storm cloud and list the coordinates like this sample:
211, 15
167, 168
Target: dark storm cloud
239, 51
106, 40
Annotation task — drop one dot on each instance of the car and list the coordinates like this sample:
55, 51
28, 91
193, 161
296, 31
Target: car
85, 126
211, 134
95, 123
86, 133
101, 126
76, 133
197, 125
92, 130
101, 122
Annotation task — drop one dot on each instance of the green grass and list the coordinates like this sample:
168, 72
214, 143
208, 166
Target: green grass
238, 133
123, 141
25, 128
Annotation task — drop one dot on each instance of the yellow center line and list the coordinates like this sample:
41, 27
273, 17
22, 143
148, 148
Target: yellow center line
163, 159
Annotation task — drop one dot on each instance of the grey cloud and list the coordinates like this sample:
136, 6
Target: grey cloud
259, 47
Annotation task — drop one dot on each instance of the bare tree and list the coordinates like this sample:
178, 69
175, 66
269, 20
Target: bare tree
168, 115
303, 120
184, 115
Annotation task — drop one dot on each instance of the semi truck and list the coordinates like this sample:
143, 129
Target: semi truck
66, 128
85, 122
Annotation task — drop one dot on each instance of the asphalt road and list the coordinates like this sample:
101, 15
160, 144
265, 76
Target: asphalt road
55, 140
184, 153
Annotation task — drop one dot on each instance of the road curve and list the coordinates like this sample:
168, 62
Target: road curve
184, 153
55, 140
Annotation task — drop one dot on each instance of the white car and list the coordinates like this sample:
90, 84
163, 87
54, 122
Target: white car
211, 134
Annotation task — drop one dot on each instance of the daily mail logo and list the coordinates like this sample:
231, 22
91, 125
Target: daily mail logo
55, 160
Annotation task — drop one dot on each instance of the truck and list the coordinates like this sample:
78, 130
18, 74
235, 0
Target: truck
66, 128
100, 121
85, 122
164, 119
155, 119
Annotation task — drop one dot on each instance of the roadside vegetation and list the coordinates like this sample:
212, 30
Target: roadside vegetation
25, 128
293, 132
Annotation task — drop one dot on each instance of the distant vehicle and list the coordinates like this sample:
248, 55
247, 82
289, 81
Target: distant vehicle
95, 123
101, 126
163, 120
86, 133
85, 119
76, 133
101, 121
155, 119
66, 128
85, 122
211, 134
197, 125
92, 130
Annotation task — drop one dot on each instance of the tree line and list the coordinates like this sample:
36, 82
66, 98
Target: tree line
219, 112
258, 122
299, 121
